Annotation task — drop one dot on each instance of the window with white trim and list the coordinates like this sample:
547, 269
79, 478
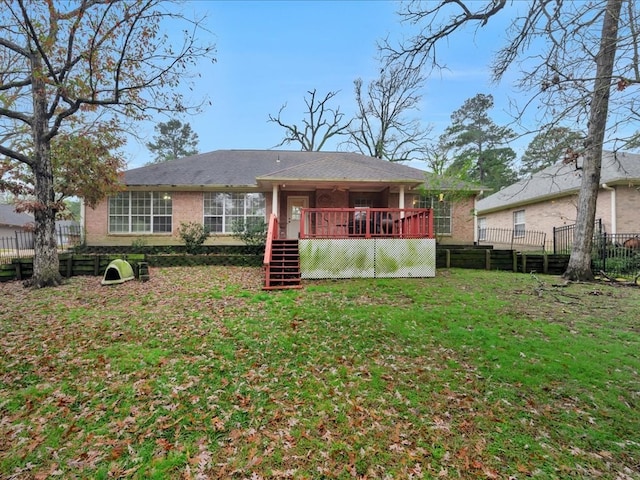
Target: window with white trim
140, 212
482, 228
441, 212
222, 209
518, 223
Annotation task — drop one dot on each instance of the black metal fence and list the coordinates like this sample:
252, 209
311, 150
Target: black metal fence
20, 244
616, 254
513, 238
563, 239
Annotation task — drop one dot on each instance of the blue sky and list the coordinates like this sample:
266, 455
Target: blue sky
273, 52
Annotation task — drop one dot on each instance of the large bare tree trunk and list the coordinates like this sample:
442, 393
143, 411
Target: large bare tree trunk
579, 267
46, 265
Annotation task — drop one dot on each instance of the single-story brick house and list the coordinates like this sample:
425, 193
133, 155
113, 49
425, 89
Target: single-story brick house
219, 187
548, 199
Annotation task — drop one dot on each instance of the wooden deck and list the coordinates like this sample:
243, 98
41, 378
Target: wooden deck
327, 223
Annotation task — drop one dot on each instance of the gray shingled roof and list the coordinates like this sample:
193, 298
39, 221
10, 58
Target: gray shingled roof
561, 179
228, 168
9, 216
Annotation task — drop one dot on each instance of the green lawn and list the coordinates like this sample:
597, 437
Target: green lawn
198, 373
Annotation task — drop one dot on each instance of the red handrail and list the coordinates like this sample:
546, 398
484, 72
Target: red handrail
272, 234
366, 223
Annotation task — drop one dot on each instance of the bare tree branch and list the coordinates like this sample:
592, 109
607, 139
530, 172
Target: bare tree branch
320, 124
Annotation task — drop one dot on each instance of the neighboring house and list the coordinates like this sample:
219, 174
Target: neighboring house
12, 221
549, 199
220, 187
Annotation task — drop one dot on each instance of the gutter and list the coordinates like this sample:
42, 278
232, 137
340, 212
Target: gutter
614, 223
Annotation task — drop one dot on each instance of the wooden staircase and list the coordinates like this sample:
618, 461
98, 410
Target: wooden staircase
283, 269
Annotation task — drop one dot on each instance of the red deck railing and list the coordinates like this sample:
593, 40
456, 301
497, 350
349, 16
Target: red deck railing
366, 223
272, 234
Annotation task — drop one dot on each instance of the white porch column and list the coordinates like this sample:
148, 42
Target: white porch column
274, 200
401, 200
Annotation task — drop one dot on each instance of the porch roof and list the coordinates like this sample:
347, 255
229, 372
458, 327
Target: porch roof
346, 169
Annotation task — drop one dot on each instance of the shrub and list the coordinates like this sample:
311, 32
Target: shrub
253, 233
139, 245
193, 235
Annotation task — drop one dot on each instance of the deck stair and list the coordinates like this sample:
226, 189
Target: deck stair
283, 270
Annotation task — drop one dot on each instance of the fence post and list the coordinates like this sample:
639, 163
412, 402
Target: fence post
17, 245
603, 251
70, 266
487, 259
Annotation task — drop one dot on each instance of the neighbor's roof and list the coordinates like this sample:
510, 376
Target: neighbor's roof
560, 180
9, 216
245, 168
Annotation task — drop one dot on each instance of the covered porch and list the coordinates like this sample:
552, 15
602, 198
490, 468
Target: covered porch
351, 243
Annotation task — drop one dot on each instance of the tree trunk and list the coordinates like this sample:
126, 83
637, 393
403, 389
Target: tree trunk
46, 266
579, 267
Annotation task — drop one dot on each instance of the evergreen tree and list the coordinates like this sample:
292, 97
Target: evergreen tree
549, 147
174, 140
478, 146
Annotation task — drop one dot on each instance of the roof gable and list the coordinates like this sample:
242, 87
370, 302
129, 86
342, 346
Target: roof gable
348, 167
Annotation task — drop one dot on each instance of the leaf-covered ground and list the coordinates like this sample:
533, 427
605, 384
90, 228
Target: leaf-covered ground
198, 374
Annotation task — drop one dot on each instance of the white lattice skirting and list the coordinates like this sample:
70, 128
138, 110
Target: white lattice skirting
368, 258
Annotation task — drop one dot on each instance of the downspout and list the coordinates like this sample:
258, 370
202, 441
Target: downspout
475, 218
614, 212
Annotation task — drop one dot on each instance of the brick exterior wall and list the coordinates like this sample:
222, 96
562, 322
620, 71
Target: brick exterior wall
627, 208
544, 216
188, 207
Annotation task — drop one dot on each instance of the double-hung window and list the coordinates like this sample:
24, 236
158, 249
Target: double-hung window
441, 212
518, 223
482, 228
140, 212
223, 209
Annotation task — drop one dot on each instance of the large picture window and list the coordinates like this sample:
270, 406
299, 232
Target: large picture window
441, 212
140, 212
223, 209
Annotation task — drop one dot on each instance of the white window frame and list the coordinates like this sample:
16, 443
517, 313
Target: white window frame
482, 229
222, 209
442, 213
519, 225
139, 212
